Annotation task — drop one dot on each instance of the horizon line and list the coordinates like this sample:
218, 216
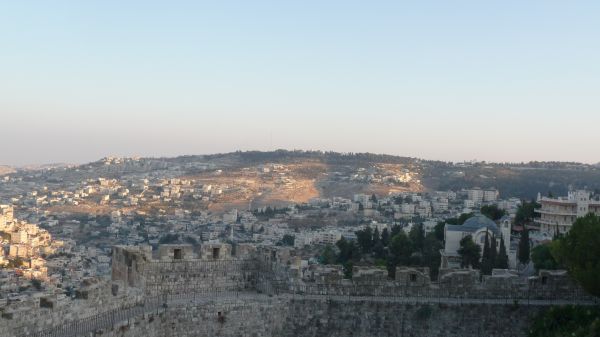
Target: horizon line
471, 161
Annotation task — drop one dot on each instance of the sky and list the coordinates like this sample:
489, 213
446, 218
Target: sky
449, 80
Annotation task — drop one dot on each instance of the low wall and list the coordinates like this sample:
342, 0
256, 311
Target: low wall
258, 316
262, 316
312, 318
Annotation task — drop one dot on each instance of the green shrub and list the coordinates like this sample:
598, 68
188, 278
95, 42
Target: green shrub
573, 321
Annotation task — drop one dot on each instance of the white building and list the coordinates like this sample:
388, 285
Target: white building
330, 237
557, 215
477, 227
479, 196
475, 195
6, 216
490, 195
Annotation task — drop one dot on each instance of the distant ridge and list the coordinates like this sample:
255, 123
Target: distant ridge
283, 154
35, 167
5, 169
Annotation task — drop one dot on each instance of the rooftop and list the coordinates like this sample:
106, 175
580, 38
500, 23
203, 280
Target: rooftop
475, 223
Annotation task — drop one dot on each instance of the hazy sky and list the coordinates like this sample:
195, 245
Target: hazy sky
450, 80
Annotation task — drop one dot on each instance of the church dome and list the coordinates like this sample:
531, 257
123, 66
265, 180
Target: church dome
480, 221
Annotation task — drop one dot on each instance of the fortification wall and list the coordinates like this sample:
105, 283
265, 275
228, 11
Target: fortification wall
260, 316
181, 294
312, 318
301, 317
40, 314
198, 276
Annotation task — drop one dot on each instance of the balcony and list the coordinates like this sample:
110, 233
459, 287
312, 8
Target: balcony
555, 212
550, 223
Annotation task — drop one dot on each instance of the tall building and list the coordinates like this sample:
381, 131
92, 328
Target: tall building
475, 195
490, 195
479, 196
557, 215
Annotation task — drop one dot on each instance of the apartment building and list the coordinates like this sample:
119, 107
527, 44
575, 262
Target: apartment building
557, 215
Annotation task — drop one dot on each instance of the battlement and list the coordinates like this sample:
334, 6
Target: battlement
146, 281
179, 269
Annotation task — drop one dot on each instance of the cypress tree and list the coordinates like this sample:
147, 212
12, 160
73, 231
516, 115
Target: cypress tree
502, 258
524, 246
376, 237
385, 237
486, 263
493, 252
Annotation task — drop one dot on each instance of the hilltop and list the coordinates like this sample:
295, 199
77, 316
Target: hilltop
283, 177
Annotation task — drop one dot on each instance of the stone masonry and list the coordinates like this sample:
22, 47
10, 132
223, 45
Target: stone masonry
220, 290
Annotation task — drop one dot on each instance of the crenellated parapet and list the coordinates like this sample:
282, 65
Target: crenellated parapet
218, 281
181, 269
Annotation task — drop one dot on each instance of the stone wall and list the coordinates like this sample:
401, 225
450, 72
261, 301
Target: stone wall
183, 291
259, 317
300, 317
313, 318
198, 276
35, 315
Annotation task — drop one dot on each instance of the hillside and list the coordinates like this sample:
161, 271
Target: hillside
6, 170
282, 177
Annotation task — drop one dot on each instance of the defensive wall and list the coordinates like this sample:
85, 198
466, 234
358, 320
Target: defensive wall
220, 290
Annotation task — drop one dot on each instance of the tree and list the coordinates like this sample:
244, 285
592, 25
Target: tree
288, 240
502, 258
524, 248
349, 250
438, 230
417, 237
568, 320
542, 258
379, 250
526, 212
493, 212
385, 237
493, 252
431, 254
395, 230
400, 251
486, 259
365, 239
376, 237
578, 252
328, 255
37, 284
347, 268
470, 252
374, 198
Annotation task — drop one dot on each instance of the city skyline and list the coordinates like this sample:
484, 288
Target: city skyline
505, 82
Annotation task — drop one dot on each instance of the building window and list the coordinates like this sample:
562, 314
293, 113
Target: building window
413, 277
177, 254
215, 253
